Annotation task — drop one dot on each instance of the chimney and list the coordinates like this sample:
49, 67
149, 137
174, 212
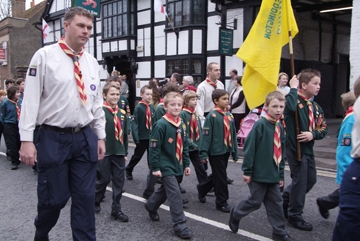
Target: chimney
18, 7
32, 4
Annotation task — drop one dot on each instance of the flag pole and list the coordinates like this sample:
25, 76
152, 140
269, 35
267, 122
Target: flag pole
292, 66
172, 26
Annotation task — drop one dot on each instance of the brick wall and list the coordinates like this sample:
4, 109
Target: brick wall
18, 7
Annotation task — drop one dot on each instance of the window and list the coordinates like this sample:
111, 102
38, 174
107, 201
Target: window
117, 16
185, 12
186, 66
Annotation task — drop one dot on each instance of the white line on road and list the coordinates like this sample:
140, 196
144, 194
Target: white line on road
200, 219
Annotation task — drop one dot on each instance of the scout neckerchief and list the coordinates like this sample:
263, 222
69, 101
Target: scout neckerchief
179, 143
148, 114
349, 111
277, 143
117, 124
211, 83
161, 102
194, 128
227, 133
310, 111
17, 108
77, 71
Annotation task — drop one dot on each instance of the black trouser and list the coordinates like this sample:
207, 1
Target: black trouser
12, 140
330, 201
201, 174
139, 151
217, 180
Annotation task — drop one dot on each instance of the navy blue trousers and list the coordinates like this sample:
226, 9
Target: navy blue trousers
66, 168
348, 222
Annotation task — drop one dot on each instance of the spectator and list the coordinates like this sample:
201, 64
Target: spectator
237, 101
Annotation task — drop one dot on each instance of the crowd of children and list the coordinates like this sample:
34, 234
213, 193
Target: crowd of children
173, 136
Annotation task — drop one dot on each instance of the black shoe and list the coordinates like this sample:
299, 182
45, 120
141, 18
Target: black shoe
146, 196
128, 174
202, 199
38, 238
97, 208
120, 216
158, 180
300, 224
233, 223
285, 210
323, 212
211, 190
229, 181
102, 199
14, 166
185, 201
153, 215
224, 209
182, 190
278, 237
34, 168
184, 233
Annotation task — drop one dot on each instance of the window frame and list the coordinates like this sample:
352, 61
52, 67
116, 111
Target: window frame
178, 20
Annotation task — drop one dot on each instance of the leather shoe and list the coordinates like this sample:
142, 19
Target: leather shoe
184, 233
38, 238
14, 166
120, 216
146, 196
285, 210
128, 174
97, 208
182, 190
233, 223
278, 237
153, 215
224, 209
229, 181
202, 199
300, 224
323, 212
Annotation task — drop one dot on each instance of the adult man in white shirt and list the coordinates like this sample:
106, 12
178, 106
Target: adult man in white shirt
63, 98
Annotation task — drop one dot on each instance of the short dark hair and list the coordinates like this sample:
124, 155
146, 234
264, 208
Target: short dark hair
19, 81
210, 65
113, 78
145, 87
306, 75
107, 86
238, 79
216, 94
234, 71
11, 92
69, 15
176, 76
9, 81
169, 87
274, 95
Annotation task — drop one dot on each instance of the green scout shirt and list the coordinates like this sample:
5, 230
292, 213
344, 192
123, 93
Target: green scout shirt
162, 151
159, 112
113, 146
258, 160
138, 124
186, 117
293, 102
212, 142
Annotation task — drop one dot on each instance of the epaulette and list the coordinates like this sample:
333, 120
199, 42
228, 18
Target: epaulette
122, 111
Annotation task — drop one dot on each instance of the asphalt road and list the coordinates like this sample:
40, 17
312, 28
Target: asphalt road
18, 210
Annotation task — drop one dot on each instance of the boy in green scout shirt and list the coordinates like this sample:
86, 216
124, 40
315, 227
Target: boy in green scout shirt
263, 167
312, 126
194, 132
116, 143
123, 103
218, 141
141, 126
169, 158
160, 110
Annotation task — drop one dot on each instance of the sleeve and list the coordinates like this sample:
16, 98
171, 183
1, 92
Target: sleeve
344, 146
201, 103
98, 123
186, 157
2, 112
250, 149
234, 154
192, 146
135, 125
283, 148
156, 138
321, 128
159, 112
125, 136
206, 138
239, 100
291, 101
33, 90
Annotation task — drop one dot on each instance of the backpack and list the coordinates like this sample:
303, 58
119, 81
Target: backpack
245, 127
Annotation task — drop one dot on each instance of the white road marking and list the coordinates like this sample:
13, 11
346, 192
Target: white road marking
200, 219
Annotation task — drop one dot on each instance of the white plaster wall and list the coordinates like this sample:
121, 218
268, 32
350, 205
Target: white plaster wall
354, 44
160, 41
171, 44
197, 41
57, 5
143, 4
160, 67
143, 17
184, 42
147, 37
143, 70
213, 33
140, 41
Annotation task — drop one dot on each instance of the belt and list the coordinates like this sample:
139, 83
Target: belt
65, 129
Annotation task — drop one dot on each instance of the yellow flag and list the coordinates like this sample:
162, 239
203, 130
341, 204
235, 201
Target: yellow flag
261, 50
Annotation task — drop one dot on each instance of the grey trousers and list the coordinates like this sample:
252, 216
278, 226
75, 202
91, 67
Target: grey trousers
111, 166
269, 194
169, 190
303, 175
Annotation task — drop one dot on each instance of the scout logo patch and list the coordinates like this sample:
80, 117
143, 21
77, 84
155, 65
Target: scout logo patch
213, 115
32, 72
205, 132
93, 87
301, 106
170, 140
153, 143
346, 142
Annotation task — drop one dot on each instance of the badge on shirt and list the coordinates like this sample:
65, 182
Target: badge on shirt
205, 132
170, 140
153, 143
32, 72
213, 115
346, 141
93, 87
301, 106
184, 127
